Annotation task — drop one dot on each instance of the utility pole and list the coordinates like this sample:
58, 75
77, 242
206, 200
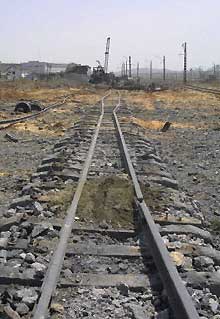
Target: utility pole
138, 70
164, 68
129, 62
151, 73
191, 74
126, 68
185, 63
122, 70
107, 55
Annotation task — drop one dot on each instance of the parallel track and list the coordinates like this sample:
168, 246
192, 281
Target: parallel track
179, 298
202, 89
10, 122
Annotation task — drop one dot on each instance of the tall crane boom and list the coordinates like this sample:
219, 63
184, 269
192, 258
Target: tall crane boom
107, 55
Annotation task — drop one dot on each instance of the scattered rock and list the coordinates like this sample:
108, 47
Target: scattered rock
40, 229
3, 242
123, 266
67, 273
22, 309
213, 304
177, 257
56, 307
165, 314
38, 209
23, 201
30, 258
201, 262
124, 289
39, 268
9, 213
104, 225
113, 269
11, 313
138, 312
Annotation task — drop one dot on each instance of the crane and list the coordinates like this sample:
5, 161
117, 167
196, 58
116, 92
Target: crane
107, 55
100, 73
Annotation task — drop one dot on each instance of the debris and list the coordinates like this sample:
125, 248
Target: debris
27, 107
56, 307
30, 258
38, 209
23, 201
137, 311
165, 314
3, 242
23, 107
39, 268
11, 138
28, 296
11, 313
40, 229
124, 289
22, 309
201, 262
166, 127
213, 304
35, 106
177, 257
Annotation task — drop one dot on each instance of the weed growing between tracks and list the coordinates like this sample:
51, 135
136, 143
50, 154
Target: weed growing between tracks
104, 199
108, 199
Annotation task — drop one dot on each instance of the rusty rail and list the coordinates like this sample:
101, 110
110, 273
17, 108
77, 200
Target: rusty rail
179, 298
55, 266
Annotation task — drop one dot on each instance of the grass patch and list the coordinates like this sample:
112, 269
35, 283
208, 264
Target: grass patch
156, 198
107, 199
61, 198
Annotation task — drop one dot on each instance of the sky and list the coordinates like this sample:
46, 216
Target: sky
76, 31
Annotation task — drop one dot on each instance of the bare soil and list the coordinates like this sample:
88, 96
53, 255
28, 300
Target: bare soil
191, 146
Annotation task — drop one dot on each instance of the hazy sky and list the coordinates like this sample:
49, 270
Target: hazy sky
76, 31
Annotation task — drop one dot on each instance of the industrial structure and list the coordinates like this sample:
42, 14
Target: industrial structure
100, 73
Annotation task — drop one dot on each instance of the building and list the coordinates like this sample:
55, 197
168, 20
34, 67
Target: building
77, 68
10, 71
36, 69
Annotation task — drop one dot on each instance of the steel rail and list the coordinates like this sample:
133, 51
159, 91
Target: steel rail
202, 89
55, 266
178, 296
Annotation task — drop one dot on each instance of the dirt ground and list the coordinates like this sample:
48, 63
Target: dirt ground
36, 138
191, 145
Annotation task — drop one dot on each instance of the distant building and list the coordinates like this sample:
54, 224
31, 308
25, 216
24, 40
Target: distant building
56, 67
10, 71
36, 69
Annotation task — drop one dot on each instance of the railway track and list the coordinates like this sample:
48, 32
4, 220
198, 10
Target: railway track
9, 122
202, 89
82, 268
